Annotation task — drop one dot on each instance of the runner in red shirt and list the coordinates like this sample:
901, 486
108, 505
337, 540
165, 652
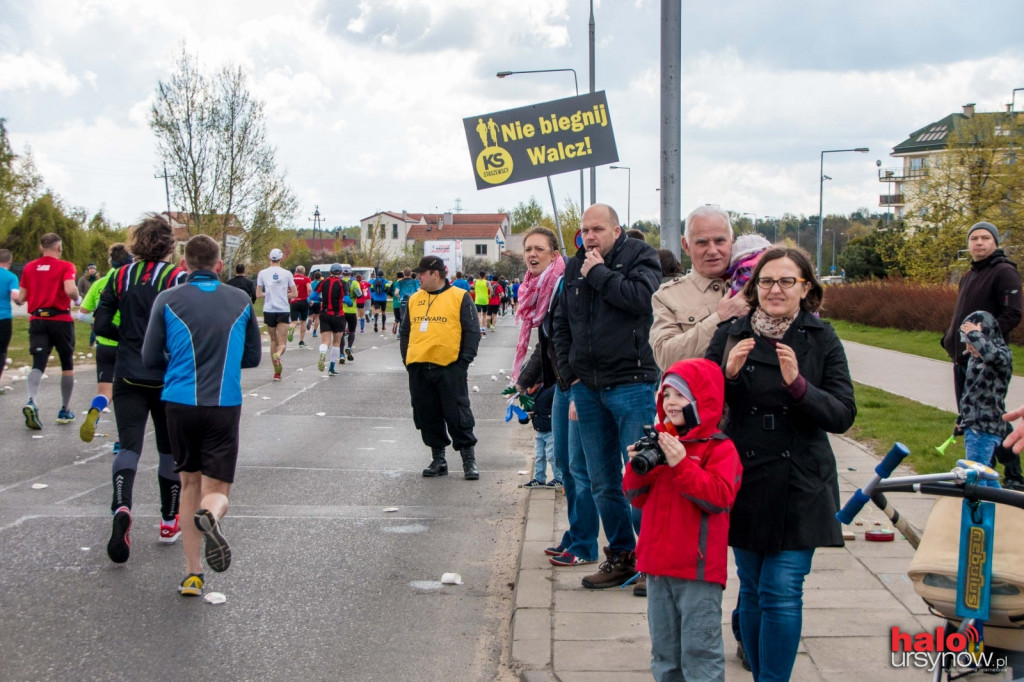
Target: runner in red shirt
48, 286
299, 306
362, 302
495, 294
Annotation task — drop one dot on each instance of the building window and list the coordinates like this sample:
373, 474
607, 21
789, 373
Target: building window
481, 249
917, 163
394, 231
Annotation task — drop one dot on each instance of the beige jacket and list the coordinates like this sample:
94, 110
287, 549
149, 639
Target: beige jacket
685, 317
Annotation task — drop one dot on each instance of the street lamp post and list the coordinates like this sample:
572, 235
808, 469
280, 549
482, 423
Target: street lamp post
629, 192
821, 189
504, 74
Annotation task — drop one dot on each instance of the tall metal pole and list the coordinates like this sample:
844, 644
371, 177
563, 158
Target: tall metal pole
558, 225
593, 171
671, 96
576, 83
821, 187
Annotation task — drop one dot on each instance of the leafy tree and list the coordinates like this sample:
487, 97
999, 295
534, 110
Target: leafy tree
525, 215
43, 215
20, 182
974, 179
212, 133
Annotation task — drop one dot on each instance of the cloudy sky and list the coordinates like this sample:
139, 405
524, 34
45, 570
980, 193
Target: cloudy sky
365, 98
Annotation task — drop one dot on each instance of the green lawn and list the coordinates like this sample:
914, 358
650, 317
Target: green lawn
884, 418
925, 344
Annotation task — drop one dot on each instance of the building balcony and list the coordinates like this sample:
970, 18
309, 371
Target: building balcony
900, 174
890, 200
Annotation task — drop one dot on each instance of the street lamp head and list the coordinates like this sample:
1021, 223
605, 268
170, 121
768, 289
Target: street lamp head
502, 74
862, 150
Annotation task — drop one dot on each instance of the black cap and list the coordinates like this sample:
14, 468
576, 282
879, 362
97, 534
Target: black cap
430, 263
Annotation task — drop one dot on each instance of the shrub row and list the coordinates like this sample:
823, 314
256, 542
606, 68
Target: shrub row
897, 303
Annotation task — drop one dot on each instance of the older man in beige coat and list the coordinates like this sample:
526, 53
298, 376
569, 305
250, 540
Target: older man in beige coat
687, 310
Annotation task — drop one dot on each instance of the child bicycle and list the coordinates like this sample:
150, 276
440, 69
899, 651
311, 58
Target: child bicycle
969, 572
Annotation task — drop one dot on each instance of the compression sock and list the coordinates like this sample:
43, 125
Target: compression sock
32, 382
362, 323
335, 354
99, 403
170, 493
67, 385
124, 480
383, 320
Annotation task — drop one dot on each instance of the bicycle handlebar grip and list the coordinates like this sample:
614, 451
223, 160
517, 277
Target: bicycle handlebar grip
892, 460
852, 507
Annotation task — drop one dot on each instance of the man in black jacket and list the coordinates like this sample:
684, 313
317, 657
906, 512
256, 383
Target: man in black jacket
240, 281
601, 329
993, 285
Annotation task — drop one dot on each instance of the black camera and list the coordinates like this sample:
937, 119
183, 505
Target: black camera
648, 452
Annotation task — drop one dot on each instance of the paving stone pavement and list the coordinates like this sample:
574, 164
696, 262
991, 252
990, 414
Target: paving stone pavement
852, 597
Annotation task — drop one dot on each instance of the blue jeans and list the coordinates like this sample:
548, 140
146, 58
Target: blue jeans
979, 447
544, 452
581, 538
685, 620
771, 609
611, 420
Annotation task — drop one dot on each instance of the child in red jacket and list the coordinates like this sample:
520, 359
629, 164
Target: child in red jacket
685, 528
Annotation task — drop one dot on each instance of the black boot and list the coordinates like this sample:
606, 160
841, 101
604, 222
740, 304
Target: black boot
469, 464
438, 465
1013, 477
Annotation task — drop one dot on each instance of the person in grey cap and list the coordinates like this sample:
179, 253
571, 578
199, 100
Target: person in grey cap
993, 285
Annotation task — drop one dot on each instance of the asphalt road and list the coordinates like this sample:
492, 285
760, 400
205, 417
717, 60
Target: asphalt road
324, 584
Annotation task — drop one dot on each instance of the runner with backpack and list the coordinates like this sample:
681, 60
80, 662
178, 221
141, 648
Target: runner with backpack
379, 300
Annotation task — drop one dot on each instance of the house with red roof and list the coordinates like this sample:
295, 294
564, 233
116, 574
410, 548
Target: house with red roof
483, 235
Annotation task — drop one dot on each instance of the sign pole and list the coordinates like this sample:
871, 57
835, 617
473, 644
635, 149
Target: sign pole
558, 226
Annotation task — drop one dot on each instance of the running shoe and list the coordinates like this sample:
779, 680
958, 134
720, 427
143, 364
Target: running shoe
394, 329
31, 413
322, 362
302, 344
291, 334
276, 359
568, 559
192, 585
556, 484
117, 447
88, 430
314, 333
333, 373
277, 377
119, 546
533, 483
375, 329
65, 416
169, 532
217, 551
555, 551
348, 355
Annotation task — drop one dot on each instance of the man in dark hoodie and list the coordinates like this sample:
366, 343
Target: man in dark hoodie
992, 285
601, 329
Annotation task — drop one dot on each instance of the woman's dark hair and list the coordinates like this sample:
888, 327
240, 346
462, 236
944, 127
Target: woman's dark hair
812, 302
152, 239
544, 232
669, 263
119, 256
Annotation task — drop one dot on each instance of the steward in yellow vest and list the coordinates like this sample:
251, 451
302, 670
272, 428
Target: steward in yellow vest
438, 338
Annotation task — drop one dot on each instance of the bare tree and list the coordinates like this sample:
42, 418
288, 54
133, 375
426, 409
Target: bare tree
212, 132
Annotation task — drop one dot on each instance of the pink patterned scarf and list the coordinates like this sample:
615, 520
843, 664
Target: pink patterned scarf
534, 299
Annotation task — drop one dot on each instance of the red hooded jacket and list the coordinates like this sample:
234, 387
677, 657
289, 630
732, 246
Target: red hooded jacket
685, 528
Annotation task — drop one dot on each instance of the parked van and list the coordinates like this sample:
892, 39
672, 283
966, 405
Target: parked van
367, 273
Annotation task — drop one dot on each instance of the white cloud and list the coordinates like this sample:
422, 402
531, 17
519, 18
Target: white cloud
28, 71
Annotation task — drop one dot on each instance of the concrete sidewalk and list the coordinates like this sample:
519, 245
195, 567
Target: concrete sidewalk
852, 597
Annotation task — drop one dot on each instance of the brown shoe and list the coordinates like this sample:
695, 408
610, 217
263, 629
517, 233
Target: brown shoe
616, 569
640, 586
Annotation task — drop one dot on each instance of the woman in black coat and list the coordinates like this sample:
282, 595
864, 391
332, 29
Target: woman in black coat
787, 386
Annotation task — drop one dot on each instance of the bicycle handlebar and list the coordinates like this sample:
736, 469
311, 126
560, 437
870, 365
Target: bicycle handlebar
970, 491
884, 469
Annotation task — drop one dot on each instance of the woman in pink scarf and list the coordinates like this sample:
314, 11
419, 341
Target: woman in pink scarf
545, 267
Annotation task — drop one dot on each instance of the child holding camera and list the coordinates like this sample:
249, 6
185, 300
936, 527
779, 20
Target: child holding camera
692, 477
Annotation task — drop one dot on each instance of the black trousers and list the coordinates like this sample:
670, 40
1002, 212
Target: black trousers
440, 405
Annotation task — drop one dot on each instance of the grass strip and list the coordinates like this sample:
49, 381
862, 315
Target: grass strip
885, 418
925, 344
